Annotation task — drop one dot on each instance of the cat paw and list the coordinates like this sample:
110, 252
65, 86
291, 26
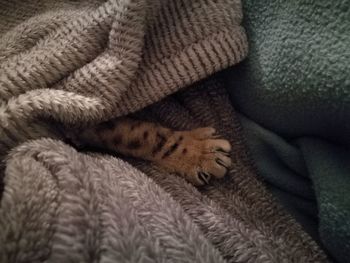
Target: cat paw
200, 156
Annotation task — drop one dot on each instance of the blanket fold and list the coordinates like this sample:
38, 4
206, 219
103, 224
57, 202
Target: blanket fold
76, 63
82, 64
61, 205
295, 86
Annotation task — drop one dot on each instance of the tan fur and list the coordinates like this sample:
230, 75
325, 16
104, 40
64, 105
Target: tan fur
197, 154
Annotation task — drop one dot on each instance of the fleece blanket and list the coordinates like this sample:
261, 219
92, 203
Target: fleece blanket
295, 89
67, 64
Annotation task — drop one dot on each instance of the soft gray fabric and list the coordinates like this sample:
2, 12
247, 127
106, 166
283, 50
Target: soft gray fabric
72, 63
296, 79
296, 84
83, 62
310, 177
72, 207
283, 169
329, 168
60, 205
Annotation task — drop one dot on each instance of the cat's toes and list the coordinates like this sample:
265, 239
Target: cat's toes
214, 161
199, 157
208, 156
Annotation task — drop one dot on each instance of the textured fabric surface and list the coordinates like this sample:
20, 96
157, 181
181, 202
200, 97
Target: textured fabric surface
74, 63
310, 177
295, 85
64, 206
282, 165
296, 79
82, 62
329, 169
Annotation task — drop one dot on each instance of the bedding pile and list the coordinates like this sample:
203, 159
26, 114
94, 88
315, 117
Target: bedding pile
67, 64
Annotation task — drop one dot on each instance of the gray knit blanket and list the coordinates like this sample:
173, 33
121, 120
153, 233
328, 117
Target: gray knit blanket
69, 64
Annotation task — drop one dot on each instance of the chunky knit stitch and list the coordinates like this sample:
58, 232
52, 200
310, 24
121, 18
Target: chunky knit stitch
75, 63
67, 206
81, 62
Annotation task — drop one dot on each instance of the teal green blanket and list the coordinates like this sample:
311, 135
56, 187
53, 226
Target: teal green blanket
294, 89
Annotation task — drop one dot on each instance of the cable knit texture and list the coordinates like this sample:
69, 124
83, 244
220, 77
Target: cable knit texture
75, 63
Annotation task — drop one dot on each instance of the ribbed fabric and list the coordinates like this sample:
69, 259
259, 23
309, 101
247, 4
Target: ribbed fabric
80, 62
83, 62
60, 205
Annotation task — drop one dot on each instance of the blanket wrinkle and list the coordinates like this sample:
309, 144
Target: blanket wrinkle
68, 64
134, 60
293, 90
232, 220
